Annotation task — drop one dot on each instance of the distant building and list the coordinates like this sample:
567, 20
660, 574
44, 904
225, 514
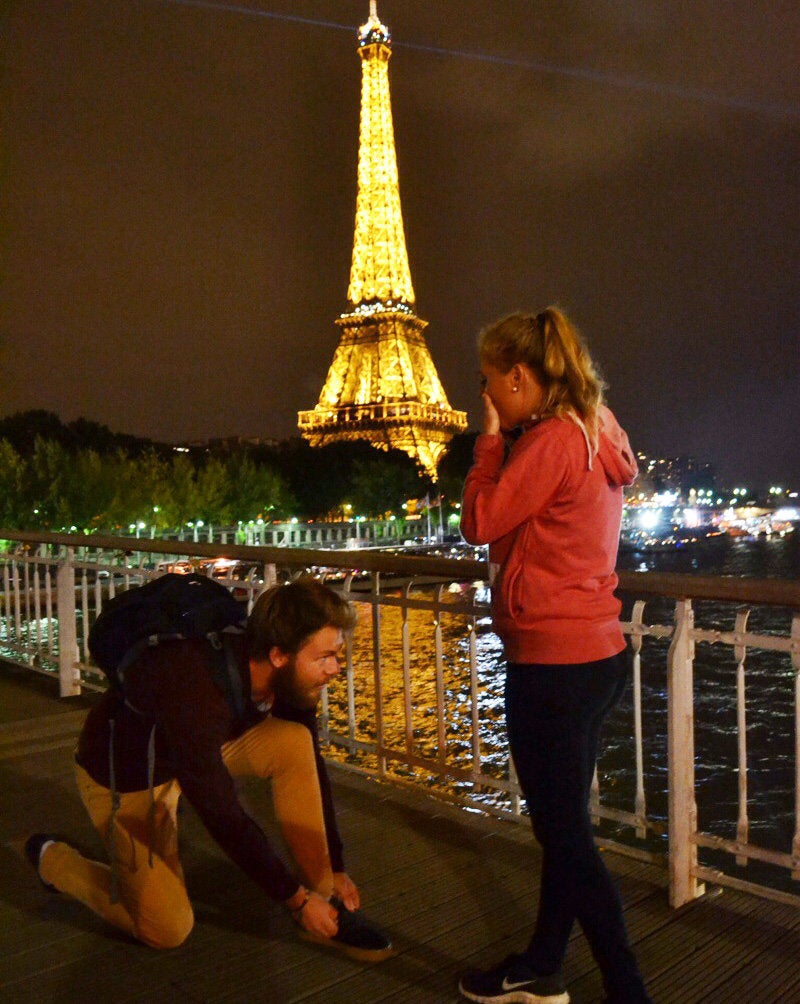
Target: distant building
680, 475
227, 443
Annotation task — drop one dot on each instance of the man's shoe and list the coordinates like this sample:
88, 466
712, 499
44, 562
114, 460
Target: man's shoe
357, 937
34, 846
513, 982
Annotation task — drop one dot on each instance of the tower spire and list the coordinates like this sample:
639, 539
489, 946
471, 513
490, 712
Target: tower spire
382, 385
379, 271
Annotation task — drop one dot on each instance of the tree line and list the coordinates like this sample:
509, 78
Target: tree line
82, 477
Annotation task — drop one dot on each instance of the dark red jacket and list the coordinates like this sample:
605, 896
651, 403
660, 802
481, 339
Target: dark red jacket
171, 686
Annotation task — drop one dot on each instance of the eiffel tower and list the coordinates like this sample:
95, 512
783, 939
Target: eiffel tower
382, 385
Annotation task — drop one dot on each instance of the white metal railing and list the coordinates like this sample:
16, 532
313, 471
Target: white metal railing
418, 706
291, 533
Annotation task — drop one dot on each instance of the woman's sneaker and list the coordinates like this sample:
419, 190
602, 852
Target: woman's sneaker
513, 982
357, 937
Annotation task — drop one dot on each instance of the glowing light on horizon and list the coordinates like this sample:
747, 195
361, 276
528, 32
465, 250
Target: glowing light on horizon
648, 519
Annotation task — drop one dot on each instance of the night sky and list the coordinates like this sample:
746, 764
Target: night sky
177, 199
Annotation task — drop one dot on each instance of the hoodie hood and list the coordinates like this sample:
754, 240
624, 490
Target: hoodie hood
614, 452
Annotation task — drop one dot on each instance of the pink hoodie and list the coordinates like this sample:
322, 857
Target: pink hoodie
551, 516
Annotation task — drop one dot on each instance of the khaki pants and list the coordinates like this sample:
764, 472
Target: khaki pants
153, 904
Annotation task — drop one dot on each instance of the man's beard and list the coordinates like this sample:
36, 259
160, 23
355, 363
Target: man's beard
288, 689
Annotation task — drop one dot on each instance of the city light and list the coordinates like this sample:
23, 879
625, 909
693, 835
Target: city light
665, 498
648, 519
691, 517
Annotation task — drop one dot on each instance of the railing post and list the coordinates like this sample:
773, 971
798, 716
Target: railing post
405, 637
441, 711
378, 675
68, 673
795, 650
640, 805
683, 884
740, 654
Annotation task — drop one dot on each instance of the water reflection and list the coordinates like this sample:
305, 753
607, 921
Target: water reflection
426, 718
412, 726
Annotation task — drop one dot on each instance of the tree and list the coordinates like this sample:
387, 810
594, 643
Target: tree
381, 484
84, 475
211, 492
321, 478
143, 491
14, 512
458, 459
182, 503
256, 491
24, 428
87, 491
46, 469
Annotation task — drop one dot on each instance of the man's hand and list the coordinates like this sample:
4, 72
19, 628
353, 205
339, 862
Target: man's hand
346, 890
318, 916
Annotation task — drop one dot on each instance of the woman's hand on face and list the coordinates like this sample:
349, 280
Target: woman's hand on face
491, 420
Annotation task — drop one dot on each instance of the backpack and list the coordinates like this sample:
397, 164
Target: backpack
171, 607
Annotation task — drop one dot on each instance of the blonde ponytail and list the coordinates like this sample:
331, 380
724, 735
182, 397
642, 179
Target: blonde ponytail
556, 353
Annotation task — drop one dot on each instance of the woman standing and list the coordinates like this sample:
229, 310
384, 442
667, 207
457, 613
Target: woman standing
549, 504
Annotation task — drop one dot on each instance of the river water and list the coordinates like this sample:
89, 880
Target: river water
770, 703
770, 689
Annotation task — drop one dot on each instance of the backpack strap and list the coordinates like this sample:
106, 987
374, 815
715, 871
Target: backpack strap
140, 646
226, 670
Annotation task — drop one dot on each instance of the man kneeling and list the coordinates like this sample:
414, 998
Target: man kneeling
198, 745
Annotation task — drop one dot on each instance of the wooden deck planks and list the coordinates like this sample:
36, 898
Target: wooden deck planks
454, 889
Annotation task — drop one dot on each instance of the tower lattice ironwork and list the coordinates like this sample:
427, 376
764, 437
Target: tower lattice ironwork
382, 385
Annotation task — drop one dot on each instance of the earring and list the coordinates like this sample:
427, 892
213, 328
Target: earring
514, 390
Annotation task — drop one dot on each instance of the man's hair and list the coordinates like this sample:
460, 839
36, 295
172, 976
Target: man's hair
287, 615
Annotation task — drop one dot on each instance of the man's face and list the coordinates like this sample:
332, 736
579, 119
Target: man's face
300, 678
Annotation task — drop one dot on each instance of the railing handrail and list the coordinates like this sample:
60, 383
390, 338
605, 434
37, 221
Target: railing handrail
49, 628
366, 560
766, 592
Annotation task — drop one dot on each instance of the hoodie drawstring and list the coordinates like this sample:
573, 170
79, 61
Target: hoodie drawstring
590, 449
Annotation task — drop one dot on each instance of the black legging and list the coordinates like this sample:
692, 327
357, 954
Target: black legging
554, 715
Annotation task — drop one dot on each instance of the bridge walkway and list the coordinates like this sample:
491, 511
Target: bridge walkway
454, 889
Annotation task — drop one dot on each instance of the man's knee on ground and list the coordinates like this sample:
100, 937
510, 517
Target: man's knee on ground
171, 930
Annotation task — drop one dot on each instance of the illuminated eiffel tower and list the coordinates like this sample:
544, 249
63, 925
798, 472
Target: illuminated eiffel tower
382, 385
